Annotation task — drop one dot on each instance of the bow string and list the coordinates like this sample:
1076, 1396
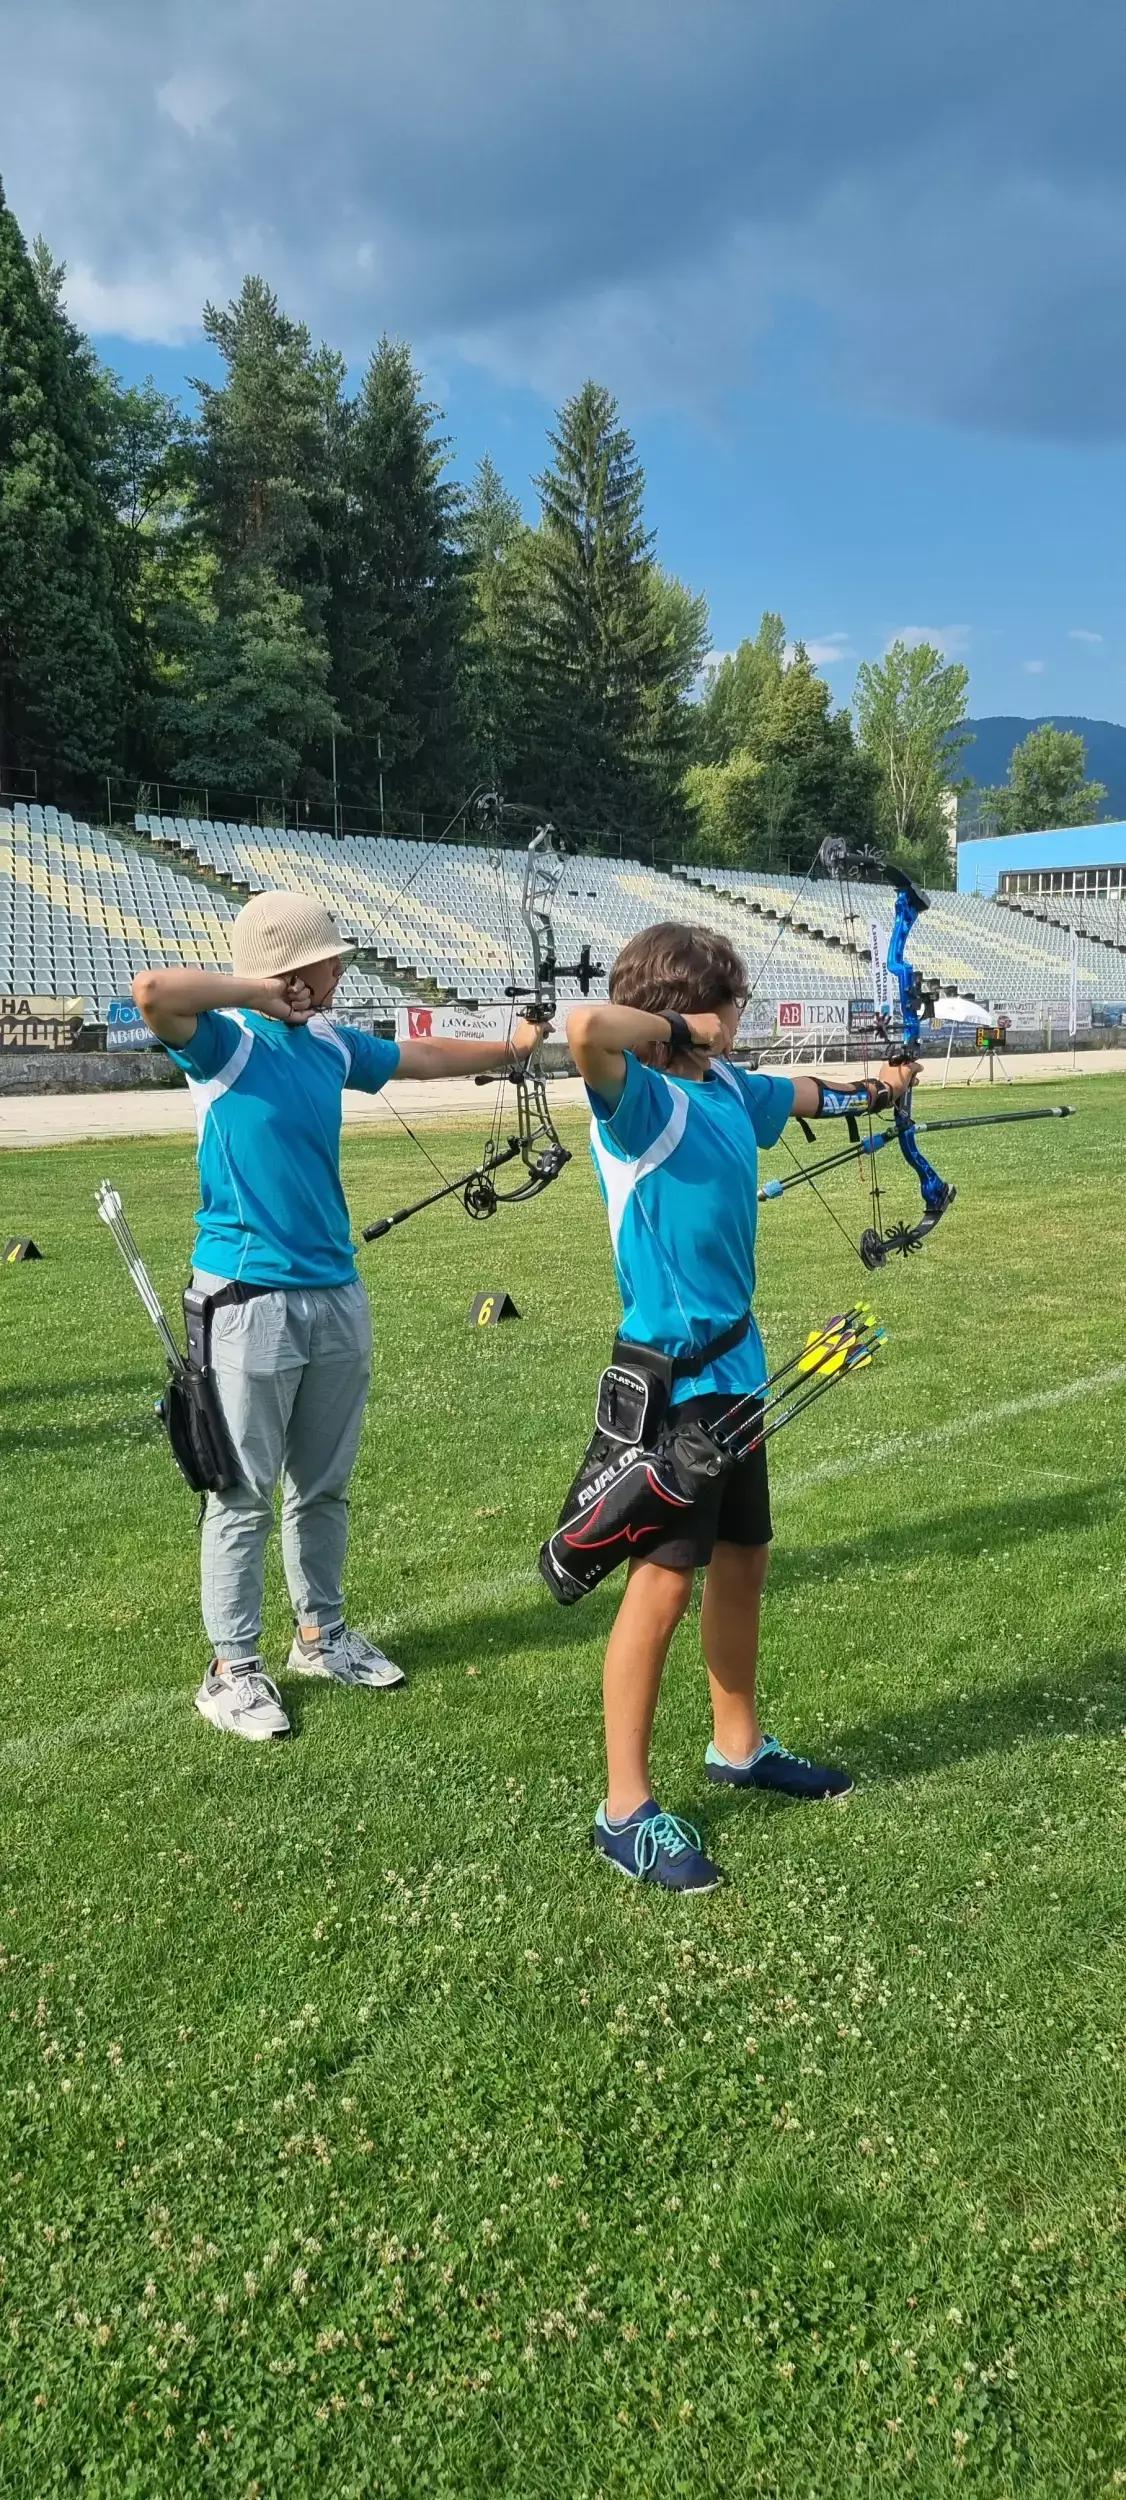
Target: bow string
880, 1241
530, 1138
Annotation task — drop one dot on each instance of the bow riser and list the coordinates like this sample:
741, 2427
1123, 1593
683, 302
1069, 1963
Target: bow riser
535, 1143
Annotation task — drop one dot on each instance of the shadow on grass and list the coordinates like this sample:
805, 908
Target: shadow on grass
132, 1428
958, 1727
538, 1623
957, 1536
108, 1384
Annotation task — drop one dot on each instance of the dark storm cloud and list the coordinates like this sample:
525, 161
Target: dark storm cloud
637, 186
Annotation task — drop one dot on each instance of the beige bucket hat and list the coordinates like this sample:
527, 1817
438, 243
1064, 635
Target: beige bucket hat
278, 933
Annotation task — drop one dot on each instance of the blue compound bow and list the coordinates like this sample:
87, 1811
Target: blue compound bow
916, 996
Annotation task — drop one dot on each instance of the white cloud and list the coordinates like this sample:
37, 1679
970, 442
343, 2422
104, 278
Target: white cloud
951, 640
1082, 633
193, 100
1034, 668
160, 308
829, 648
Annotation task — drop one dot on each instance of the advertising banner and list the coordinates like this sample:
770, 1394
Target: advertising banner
813, 1015
35, 1023
453, 1024
126, 1028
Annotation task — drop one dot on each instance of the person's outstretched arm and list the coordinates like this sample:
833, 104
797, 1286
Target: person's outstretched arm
427, 1059
818, 1099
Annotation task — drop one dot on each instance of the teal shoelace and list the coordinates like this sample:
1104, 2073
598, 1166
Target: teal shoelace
662, 1831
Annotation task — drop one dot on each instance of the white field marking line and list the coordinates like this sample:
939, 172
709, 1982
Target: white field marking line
960, 1428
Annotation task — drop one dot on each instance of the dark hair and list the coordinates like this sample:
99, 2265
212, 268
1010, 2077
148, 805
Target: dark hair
676, 965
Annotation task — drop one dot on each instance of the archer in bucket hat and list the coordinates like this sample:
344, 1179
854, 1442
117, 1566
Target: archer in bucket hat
290, 1328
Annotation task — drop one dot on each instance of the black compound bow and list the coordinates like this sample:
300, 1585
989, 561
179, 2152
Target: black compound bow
533, 1142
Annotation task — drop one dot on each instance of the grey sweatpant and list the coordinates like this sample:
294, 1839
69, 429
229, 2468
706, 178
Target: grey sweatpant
292, 1373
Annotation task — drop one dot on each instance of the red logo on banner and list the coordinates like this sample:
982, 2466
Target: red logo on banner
789, 1013
420, 1023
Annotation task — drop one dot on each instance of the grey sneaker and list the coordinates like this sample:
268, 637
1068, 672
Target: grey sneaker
245, 1700
347, 1657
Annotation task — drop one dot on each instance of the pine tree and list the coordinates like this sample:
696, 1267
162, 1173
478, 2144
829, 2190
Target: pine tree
247, 700
63, 630
248, 657
267, 482
493, 537
398, 615
595, 653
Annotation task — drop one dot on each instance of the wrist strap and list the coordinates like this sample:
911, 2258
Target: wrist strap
679, 1034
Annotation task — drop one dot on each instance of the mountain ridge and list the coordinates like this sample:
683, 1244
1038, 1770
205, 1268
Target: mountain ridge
995, 734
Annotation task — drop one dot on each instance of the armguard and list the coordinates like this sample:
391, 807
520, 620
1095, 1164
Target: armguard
842, 1102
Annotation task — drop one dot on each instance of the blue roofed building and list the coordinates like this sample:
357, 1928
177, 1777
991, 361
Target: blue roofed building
1070, 859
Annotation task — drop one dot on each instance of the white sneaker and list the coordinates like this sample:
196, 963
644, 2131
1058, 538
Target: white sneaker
347, 1657
245, 1700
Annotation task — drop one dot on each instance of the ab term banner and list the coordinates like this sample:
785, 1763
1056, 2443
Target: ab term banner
813, 1015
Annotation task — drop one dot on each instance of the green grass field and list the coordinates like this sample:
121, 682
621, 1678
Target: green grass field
362, 2135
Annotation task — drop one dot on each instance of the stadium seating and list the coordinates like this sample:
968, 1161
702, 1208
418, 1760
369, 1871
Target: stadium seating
449, 913
82, 910
967, 942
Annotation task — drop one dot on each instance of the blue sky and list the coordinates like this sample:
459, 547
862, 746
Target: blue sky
856, 275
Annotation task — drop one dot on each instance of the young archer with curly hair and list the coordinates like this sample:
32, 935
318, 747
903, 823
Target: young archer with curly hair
675, 1135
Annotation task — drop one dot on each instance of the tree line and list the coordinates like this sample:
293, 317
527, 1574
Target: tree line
286, 590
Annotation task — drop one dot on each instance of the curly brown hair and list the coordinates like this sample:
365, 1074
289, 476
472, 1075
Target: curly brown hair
676, 965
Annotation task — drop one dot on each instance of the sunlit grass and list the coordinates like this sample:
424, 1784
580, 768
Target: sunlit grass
362, 2134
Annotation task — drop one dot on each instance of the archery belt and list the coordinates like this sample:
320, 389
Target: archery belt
636, 1387
630, 1414
630, 1496
190, 1410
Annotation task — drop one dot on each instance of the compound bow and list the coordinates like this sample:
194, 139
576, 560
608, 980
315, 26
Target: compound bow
917, 998
534, 1143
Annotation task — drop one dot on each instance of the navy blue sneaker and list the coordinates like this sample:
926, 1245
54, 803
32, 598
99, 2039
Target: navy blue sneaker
656, 1848
785, 1774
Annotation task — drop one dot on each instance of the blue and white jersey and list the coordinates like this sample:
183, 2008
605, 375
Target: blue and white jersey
268, 1111
678, 1167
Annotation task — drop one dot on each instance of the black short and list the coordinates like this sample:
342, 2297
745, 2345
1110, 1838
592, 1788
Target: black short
737, 1513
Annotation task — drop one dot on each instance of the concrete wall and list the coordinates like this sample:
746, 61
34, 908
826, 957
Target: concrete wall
86, 1072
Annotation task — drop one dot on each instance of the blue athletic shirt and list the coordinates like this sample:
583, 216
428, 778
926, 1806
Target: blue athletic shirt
268, 1110
678, 1168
